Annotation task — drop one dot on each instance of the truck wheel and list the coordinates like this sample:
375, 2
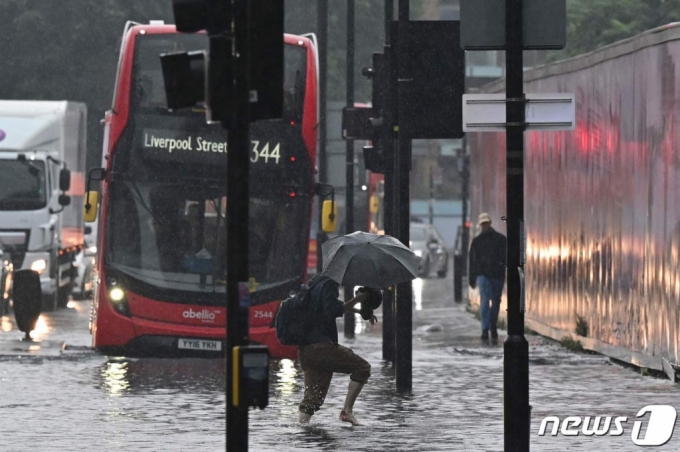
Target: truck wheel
80, 295
63, 295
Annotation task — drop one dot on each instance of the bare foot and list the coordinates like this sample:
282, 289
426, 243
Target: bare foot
348, 417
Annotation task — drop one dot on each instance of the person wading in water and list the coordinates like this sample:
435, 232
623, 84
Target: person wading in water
320, 355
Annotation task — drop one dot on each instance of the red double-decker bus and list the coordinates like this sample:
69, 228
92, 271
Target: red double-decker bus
162, 234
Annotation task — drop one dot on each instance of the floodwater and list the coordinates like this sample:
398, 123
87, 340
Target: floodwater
79, 400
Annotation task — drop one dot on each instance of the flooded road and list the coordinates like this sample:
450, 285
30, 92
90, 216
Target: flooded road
75, 399
80, 400
92, 403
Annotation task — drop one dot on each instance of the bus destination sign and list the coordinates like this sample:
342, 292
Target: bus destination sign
176, 145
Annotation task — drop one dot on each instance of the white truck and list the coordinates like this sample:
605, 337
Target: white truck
42, 184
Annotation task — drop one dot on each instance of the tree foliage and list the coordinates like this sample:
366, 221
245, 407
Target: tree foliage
369, 38
592, 24
68, 49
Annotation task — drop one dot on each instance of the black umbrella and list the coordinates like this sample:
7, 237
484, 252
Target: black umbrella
370, 260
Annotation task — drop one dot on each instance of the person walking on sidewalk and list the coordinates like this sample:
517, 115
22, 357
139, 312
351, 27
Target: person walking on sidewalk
321, 355
487, 271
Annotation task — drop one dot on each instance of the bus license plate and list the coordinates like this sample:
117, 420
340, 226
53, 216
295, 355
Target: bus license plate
199, 344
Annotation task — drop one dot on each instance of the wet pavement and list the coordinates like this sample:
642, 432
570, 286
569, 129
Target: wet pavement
65, 398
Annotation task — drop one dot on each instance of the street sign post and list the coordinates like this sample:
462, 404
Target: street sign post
349, 321
487, 112
515, 26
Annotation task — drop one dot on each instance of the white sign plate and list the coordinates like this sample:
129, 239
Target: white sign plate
486, 112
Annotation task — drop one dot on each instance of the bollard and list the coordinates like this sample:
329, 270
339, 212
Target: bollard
27, 295
457, 278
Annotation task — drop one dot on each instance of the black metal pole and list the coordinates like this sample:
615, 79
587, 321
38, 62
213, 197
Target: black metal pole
460, 261
388, 202
404, 311
516, 349
466, 199
322, 36
349, 170
431, 206
238, 182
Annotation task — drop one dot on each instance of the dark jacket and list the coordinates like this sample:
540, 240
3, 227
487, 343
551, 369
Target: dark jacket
487, 256
325, 308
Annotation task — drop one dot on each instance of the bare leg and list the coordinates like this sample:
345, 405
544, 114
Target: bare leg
353, 391
304, 418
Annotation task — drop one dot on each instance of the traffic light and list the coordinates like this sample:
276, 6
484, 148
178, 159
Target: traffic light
204, 78
266, 59
214, 69
370, 123
374, 154
213, 16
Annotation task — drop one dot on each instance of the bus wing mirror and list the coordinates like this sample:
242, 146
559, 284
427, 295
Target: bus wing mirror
64, 180
95, 174
64, 200
330, 216
91, 206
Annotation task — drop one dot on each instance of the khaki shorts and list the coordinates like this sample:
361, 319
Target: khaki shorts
319, 362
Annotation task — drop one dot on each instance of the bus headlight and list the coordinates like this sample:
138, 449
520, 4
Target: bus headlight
117, 294
39, 266
119, 301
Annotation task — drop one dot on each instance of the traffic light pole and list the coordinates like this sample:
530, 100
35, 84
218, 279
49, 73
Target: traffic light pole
349, 170
517, 412
322, 28
388, 203
460, 263
430, 210
238, 182
404, 311
466, 198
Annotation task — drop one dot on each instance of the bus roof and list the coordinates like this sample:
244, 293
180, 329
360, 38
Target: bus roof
156, 27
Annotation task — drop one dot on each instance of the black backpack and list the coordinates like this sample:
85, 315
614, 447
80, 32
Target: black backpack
294, 320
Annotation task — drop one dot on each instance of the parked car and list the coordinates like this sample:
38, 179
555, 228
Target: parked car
428, 244
84, 263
